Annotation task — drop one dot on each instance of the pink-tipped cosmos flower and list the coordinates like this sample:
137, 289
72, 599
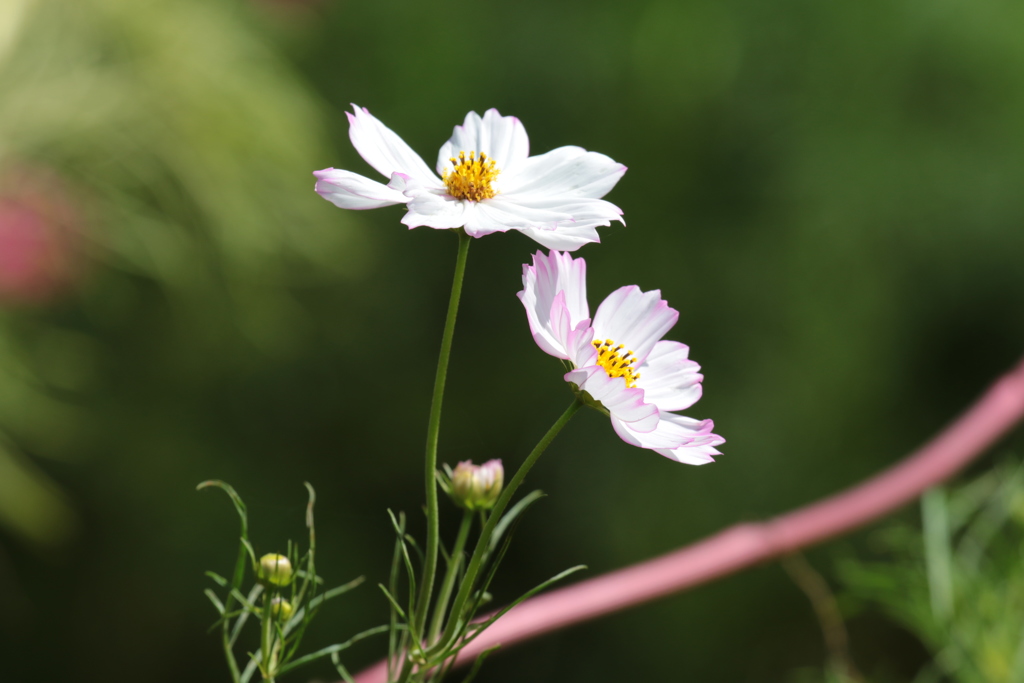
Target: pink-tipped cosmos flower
619, 358
486, 182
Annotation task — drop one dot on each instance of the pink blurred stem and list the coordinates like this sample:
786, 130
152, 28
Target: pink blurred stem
744, 545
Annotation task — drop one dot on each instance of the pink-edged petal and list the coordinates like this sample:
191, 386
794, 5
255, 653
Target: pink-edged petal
671, 431
561, 323
412, 188
435, 211
635, 318
569, 338
580, 345
554, 282
701, 449
383, 149
553, 273
541, 326
502, 138
564, 171
625, 404
669, 378
352, 191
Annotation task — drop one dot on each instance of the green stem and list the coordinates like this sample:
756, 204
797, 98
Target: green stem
226, 642
265, 635
433, 427
476, 562
449, 578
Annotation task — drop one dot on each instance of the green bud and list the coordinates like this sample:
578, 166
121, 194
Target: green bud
281, 609
275, 570
477, 487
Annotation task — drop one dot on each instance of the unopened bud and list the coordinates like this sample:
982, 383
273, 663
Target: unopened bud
281, 609
477, 487
275, 569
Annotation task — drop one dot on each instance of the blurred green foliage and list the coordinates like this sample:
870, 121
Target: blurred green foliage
952, 580
829, 193
958, 586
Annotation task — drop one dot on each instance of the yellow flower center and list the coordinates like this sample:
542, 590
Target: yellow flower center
471, 178
614, 362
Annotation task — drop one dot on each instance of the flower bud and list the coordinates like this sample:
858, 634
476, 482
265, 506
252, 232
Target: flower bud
281, 609
275, 570
477, 487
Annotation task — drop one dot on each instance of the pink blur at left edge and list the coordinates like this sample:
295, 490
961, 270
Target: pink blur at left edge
39, 238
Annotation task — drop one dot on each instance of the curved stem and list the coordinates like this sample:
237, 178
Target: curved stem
744, 545
476, 562
433, 428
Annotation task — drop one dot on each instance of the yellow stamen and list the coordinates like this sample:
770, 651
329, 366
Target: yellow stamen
471, 178
615, 363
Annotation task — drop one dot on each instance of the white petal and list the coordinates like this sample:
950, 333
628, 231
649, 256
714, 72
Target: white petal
435, 211
352, 191
583, 216
518, 216
672, 431
564, 171
562, 239
542, 282
625, 404
690, 455
556, 211
479, 223
669, 379
491, 216
501, 138
384, 150
634, 318
582, 209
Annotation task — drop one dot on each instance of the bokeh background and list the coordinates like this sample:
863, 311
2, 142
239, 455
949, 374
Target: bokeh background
830, 193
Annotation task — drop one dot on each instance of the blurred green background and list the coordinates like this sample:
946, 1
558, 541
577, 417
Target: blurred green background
830, 194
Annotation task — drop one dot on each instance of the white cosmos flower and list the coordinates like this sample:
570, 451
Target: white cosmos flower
619, 358
486, 182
